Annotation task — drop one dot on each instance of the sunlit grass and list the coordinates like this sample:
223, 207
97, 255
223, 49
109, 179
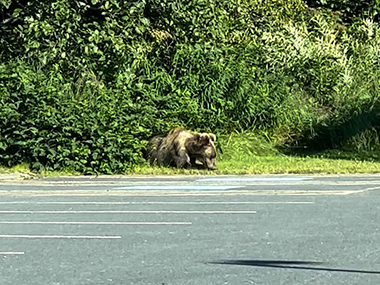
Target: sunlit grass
279, 164
244, 154
300, 165
21, 168
245, 165
253, 154
25, 170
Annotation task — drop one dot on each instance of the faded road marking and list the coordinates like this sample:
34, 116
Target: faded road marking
178, 187
128, 212
59, 237
95, 223
253, 179
154, 203
162, 193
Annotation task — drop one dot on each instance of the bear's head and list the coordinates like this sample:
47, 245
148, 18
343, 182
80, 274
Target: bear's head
205, 150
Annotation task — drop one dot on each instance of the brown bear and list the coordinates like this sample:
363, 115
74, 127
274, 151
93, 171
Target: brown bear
182, 148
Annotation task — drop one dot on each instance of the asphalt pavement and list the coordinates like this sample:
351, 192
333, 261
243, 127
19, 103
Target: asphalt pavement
278, 229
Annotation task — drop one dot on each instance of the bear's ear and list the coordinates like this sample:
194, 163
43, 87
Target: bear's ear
212, 137
203, 139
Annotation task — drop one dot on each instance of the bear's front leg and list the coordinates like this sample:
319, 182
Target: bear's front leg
182, 161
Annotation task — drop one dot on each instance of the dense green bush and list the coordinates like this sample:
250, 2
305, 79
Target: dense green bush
90, 130
84, 84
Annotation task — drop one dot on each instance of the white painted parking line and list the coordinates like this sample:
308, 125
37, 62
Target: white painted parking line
178, 193
95, 223
59, 237
12, 252
128, 212
156, 203
252, 179
177, 187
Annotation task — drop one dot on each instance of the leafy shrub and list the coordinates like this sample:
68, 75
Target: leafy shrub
84, 84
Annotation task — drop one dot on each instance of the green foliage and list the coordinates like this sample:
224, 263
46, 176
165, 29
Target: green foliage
348, 9
84, 84
87, 130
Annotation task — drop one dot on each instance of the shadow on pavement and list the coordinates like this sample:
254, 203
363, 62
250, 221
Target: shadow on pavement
305, 265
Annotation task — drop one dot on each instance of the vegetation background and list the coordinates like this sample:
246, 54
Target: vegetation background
84, 84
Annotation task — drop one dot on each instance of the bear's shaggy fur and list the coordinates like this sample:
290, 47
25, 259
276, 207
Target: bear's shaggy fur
181, 148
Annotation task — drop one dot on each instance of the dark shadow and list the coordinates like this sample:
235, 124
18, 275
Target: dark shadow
333, 134
303, 265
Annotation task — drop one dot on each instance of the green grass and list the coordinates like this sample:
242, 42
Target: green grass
255, 154
296, 165
22, 168
278, 164
243, 164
